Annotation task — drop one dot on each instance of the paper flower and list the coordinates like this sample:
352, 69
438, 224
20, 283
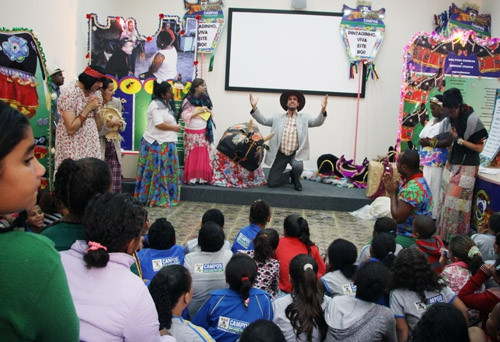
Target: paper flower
16, 48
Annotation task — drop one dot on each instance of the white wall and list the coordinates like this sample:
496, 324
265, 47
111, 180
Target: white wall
61, 26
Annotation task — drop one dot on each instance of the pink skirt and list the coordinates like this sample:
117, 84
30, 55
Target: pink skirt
197, 164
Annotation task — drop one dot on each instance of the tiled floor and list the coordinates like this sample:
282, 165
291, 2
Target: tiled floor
325, 226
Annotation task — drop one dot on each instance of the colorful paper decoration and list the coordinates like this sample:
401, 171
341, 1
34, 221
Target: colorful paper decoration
433, 63
362, 31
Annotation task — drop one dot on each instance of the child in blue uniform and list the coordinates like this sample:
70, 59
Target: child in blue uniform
227, 312
260, 215
162, 252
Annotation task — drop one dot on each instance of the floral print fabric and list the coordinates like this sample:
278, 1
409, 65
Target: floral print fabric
416, 193
229, 174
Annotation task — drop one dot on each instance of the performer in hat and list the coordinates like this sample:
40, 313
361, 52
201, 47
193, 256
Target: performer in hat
290, 144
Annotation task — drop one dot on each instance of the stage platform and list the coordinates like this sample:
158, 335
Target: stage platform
315, 195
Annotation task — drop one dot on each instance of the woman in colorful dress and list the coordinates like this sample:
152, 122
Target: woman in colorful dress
434, 142
109, 139
462, 166
76, 136
197, 115
157, 182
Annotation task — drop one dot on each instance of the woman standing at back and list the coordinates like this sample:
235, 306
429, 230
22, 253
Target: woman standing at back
296, 241
28, 311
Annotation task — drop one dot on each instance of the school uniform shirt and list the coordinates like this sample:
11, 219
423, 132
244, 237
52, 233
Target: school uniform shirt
225, 316
244, 239
208, 270
185, 331
486, 245
336, 283
408, 305
192, 246
350, 319
153, 260
365, 252
280, 319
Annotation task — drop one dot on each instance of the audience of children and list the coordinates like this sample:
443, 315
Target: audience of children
227, 312
30, 221
360, 318
341, 268
172, 290
414, 286
76, 182
111, 302
268, 268
485, 237
260, 215
162, 251
211, 215
296, 241
299, 315
424, 229
207, 266
382, 225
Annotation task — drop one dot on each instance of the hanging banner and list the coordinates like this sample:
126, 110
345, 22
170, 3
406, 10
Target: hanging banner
210, 19
433, 63
362, 32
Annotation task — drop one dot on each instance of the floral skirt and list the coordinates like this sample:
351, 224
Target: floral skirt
197, 164
456, 200
229, 174
157, 182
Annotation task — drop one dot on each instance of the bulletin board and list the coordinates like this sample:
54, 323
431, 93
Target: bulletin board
273, 50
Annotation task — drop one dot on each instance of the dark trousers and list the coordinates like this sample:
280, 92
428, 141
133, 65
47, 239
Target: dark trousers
276, 175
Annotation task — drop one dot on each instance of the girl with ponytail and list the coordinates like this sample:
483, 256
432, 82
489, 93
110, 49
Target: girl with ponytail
227, 312
296, 241
300, 315
111, 302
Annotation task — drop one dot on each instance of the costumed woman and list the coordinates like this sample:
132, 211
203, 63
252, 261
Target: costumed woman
77, 137
198, 134
462, 166
157, 182
111, 121
435, 138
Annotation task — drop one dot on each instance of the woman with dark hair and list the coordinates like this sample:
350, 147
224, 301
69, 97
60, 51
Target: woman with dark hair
196, 111
157, 182
208, 265
164, 64
300, 314
112, 303
435, 138
227, 312
296, 241
268, 268
341, 268
110, 122
75, 184
28, 311
77, 137
172, 290
441, 322
414, 288
360, 318
260, 215
461, 167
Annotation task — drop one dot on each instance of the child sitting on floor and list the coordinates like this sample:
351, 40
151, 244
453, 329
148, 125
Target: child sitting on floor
260, 215
162, 249
382, 225
424, 229
211, 215
340, 270
485, 237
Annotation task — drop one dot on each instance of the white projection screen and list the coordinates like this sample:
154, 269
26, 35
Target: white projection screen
274, 50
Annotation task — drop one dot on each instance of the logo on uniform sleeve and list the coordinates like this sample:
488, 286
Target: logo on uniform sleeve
211, 267
421, 306
231, 325
243, 241
349, 289
158, 264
